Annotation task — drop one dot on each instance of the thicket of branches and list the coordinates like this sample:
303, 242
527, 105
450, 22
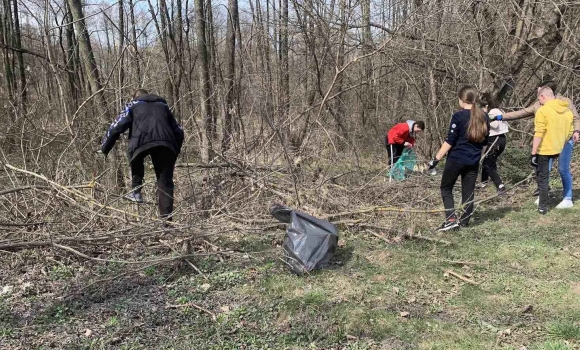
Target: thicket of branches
262, 88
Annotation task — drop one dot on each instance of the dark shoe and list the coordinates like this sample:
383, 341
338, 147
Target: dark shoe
451, 224
135, 197
543, 211
501, 189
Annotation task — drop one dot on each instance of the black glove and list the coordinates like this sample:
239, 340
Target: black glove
534, 160
433, 163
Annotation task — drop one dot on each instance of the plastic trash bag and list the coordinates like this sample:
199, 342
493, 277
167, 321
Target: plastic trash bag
309, 244
406, 162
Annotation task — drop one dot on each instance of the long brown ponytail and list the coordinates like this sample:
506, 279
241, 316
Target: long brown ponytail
477, 129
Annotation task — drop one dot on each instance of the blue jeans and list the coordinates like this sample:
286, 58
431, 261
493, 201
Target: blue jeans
564, 168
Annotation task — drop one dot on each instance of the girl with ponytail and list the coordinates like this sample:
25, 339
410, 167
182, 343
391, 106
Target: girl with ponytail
465, 142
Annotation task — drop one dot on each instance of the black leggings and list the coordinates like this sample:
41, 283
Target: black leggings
394, 151
496, 146
468, 175
163, 160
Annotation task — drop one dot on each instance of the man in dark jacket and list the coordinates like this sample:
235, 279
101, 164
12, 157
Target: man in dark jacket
152, 131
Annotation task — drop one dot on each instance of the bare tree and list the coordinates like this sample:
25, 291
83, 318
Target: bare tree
87, 55
204, 80
230, 76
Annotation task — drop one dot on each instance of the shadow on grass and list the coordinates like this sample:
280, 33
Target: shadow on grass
486, 215
343, 256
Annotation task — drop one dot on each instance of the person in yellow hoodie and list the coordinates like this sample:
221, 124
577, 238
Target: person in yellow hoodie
553, 127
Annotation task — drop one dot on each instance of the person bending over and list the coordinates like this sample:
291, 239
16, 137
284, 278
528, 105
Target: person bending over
153, 131
402, 136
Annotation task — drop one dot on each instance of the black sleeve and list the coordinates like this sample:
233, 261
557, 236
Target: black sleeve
119, 126
488, 128
177, 130
453, 133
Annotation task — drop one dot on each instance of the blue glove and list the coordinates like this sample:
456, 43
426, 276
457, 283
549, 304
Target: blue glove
498, 117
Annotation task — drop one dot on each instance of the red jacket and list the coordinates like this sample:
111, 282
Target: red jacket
401, 133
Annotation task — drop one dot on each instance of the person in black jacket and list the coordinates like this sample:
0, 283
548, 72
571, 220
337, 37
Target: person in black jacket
153, 131
467, 137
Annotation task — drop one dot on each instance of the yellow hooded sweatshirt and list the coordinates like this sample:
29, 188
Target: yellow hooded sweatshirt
554, 124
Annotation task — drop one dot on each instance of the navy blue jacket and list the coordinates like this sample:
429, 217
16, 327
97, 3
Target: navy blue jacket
462, 150
150, 124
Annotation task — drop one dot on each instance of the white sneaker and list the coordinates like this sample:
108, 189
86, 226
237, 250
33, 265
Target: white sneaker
565, 204
537, 202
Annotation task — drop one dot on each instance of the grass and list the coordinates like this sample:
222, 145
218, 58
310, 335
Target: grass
359, 304
379, 295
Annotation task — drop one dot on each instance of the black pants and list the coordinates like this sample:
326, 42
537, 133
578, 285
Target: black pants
543, 179
394, 151
164, 163
468, 175
496, 146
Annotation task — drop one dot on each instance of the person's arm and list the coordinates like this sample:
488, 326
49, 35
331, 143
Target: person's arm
573, 132
539, 131
576, 120
522, 113
445, 147
397, 133
536, 144
449, 142
177, 130
453, 132
576, 117
119, 126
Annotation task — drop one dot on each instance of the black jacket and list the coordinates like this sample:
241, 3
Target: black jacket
150, 124
462, 150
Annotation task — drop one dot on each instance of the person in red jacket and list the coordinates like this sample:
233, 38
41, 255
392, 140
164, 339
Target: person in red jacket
400, 136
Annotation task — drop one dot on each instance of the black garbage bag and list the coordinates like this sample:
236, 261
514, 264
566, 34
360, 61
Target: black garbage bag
309, 243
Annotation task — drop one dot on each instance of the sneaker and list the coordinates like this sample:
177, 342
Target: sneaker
501, 189
451, 224
135, 197
537, 201
543, 211
565, 204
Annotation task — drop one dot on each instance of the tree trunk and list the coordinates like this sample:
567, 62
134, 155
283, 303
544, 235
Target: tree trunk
284, 66
87, 55
229, 110
204, 81
71, 57
136, 64
7, 40
367, 91
21, 69
121, 51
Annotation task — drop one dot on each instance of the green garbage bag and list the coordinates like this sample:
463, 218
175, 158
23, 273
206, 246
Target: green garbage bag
406, 163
